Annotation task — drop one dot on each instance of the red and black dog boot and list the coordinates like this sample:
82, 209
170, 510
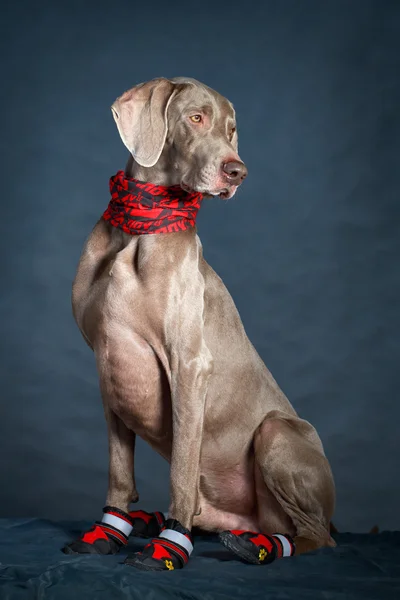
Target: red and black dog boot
107, 536
146, 524
169, 551
257, 548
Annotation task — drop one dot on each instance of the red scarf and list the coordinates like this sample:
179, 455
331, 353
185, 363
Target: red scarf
137, 207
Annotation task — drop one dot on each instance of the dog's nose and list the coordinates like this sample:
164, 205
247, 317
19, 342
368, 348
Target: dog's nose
235, 171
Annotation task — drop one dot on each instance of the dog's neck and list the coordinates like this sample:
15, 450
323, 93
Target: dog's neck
162, 173
143, 207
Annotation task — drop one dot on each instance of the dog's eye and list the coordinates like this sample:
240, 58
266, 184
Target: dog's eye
231, 133
196, 118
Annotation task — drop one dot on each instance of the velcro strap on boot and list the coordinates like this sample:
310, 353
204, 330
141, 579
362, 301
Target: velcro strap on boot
285, 545
116, 523
177, 539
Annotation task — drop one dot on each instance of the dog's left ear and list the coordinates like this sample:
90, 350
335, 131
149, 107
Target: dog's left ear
141, 118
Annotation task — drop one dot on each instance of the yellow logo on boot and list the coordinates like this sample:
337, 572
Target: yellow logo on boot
169, 565
262, 555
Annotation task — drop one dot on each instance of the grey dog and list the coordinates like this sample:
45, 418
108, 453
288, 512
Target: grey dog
174, 362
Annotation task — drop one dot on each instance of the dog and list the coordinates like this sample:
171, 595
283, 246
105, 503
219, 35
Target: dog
174, 362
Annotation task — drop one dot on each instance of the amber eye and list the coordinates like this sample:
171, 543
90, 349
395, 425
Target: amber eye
196, 118
231, 133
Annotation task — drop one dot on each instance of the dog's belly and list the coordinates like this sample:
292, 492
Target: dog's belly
214, 519
227, 493
232, 491
236, 497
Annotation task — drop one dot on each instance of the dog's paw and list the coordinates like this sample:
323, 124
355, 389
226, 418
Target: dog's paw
257, 548
146, 525
167, 552
94, 541
156, 556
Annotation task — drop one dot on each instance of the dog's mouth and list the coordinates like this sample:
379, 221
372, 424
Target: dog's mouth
227, 193
224, 193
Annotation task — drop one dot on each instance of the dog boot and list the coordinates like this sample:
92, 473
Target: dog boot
257, 548
107, 536
169, 551
146, 524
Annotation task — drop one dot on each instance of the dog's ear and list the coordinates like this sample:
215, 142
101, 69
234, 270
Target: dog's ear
141, 118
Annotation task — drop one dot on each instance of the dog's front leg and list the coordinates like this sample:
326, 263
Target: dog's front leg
189, 381
110, 534
121, 471
191, 366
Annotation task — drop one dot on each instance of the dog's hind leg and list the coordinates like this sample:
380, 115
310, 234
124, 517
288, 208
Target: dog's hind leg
296, 473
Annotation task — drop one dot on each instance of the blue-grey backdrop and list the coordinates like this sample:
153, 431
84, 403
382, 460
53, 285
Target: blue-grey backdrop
309, 247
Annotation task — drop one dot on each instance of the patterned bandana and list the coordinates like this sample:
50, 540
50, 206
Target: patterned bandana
137, 207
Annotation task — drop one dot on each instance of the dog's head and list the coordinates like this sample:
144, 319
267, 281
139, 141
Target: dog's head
185, 127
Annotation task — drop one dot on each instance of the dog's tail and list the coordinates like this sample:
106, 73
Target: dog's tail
375, 529
332, 529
